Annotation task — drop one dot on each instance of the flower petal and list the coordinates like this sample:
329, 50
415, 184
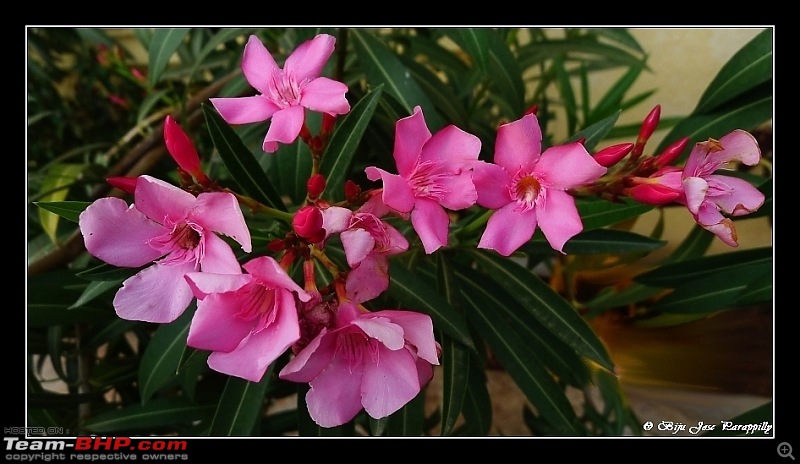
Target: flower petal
258, 66
397, 194
567, 166
308, 59
216, 325
284, 128
518, 144
368, 280
453, 146
244, 110
218, 256
695, 190
325, 96
269, 272
357, 244
431, 223
458, 190
710, 218
335, 395
738, 145
158, 200
206, 283
743, 199
559, 218
118, 234
411, 133
388, 385
312, 359
335, 219
220, 212
381, 329
508, 229
158, 293
417, 329
492, 184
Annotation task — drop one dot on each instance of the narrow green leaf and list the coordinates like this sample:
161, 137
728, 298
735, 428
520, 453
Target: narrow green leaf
107, 272
162, 357
477, 402
598, 241
383, 67
161, 48
442, 94
415, 294
94, 289
156, 413
577, 49
44, 315
548, 307
505, 76
759, 290
341, 150
55, 188
679, 273
596, 132
475, 42
455, 376
289, 170
747, 68
523, 365
55, 348
409, 420
240, 161
597, 213
107, 333
240, 406
222, 36
611, 101
69, 210
566, 93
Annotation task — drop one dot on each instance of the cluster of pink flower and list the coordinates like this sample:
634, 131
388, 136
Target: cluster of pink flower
250, 314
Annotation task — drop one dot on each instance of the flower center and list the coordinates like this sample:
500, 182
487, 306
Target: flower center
285, 91
426, 181
353, 345
526, 189
185, 237
258, 305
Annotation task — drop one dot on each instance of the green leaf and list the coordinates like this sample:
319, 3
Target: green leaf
747, 68
475, 42
523, 365
762, 415
162, 46
549, 308
566, 93
107, 272
341, 150
383, 67
409, 420
505, 76
477, 408
241, 163
154, 414
162, 357
758, 290
682, 272
455, 374
55, 188
240, 406
106, 333
597, 241
95, 289
69, 210
596, 132
597, 213
289, 169
612, 100
44, 315
222, 36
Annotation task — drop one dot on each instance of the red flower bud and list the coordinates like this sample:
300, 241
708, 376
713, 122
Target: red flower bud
328, 121
315, 186
182, 149
653, 194
532, 110
351, 191
649, 125
126, 184
671, 152
277, 245
307, 223
612, 155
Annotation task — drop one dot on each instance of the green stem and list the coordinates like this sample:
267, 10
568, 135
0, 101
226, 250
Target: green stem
478, 222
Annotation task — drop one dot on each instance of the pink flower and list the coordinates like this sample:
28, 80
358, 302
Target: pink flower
528, 187
170, 228
434, 174
378, 361
247, 320
368, 242
284, 94
707, 195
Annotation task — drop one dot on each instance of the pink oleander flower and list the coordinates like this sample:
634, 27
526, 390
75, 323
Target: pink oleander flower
707, 195
434, 173
246, 320
528, 187
368, 242
173, 230
378, 361
285, 94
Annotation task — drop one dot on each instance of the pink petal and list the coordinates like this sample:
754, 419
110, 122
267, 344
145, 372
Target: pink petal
206, 283
312, 359
431, 223
453, 146
357, 244
158, 200
220, 212
424, 371
387, 386
252, 358
396, 192
118, 234
567, 166
695, 190
244, 110
218, 256
383, 330
417, 329
335, 219
492, 184
308, 59
158, 293
459, 191
269, 272
508, 229
258, 66
559, 218
284, 128
709, 217
325, 96
216, 326
518, 144
397, 241
738, 145
335, 395
368, 280
744, 199
411, 133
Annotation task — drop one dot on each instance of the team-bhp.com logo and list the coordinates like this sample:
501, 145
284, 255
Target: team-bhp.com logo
123, 448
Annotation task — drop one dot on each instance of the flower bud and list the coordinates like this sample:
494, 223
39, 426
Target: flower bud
612, 155
351, 191
649, 125
328, 121
315, 186
182, 149
653, 194
307, 223
671, 152
532, 110
126, 184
